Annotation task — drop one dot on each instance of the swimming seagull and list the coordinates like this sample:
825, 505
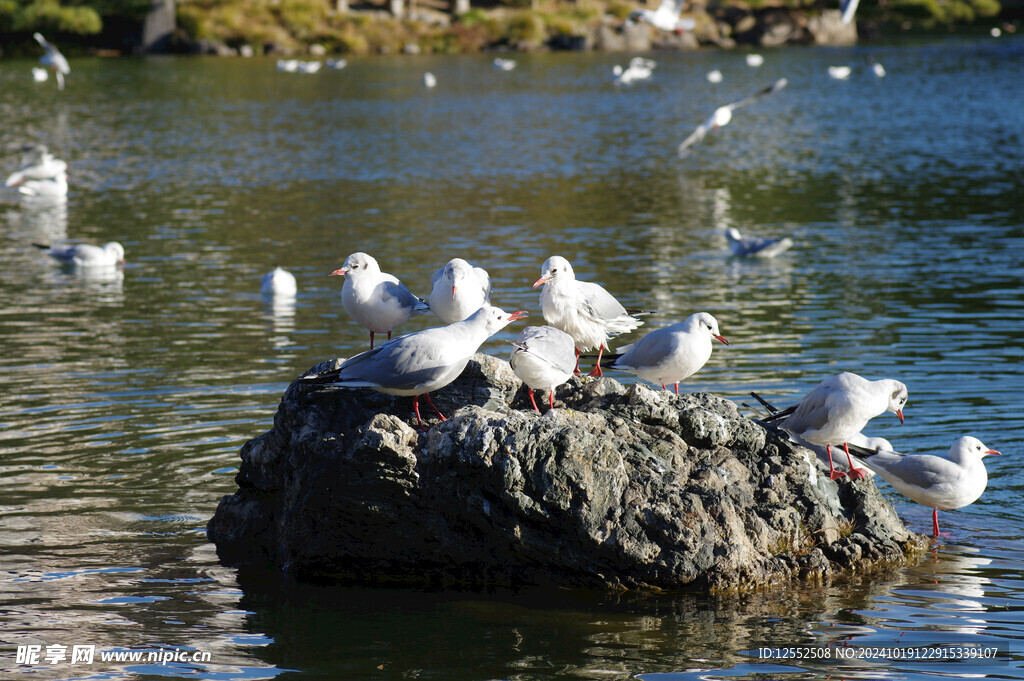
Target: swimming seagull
40, 173
418, 363
759, 246
543, 358
87, 256
837, 409
714, 76
666, 17
945, 482
458, 290
376, 299
279, 282
636, 70
723, 115
754, 60
53, 60
877, 67
584, 310
429, 79
840, 72
671, 354
504, 64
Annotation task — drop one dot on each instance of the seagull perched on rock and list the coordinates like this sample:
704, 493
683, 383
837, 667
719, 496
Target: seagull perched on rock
543, 358
671, 354
418, 363
87, 256
723, 115
375, 299
458, 290
40, 173
837, 409
761, 247
665, 18
53, 60
945, 482
584, 310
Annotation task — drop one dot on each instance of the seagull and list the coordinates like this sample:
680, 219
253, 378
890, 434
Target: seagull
336, 64
417, 363
40, 75
877, 67
848, 8
635, 71
723, 115
309, 66
40, 174
945, 482
87, 256
761, 247
504, 64
53, 60
838, 408
665, 18
671, 354
288, 65
543, 358
714, 76
840, 72
584, 310
279, 282
429, 79
458, 290
754, 60
375, 299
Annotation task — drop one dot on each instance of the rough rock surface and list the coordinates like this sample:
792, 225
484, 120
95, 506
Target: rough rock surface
617, 487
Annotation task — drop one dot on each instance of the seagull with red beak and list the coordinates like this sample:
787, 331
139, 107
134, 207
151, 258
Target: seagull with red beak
458, 290
584, 310
375, 299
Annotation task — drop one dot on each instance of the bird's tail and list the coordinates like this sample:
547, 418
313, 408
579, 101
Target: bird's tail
633, 312
607, 359
44, 247
774, 413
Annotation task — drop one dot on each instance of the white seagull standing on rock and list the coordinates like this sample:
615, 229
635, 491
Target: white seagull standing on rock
417, 363
761, 247
543, 358
671, 354
458, 290
837, 409
376, 299
584, 310
53, 60
87, 256
723, 115
40, 173
666, 17
944, 482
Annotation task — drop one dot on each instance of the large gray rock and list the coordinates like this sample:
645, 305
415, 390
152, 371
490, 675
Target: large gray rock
618, 487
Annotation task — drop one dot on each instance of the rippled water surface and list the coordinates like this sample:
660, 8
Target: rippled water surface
127, 399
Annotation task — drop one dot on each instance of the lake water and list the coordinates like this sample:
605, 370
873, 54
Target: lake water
126, 400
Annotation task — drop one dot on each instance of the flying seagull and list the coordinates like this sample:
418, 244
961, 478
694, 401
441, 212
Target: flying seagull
723, 115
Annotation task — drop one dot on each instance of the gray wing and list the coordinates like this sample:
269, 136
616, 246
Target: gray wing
774, 87
598, 303
436, 277
402, 363
921, 470
812, 413
649, 351
550, 345
695, 137
398, 291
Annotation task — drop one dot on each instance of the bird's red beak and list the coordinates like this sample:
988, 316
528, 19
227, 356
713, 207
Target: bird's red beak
993, 452
453, 292
899, 415
340, 272
516, 316
541, 281
721, 339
